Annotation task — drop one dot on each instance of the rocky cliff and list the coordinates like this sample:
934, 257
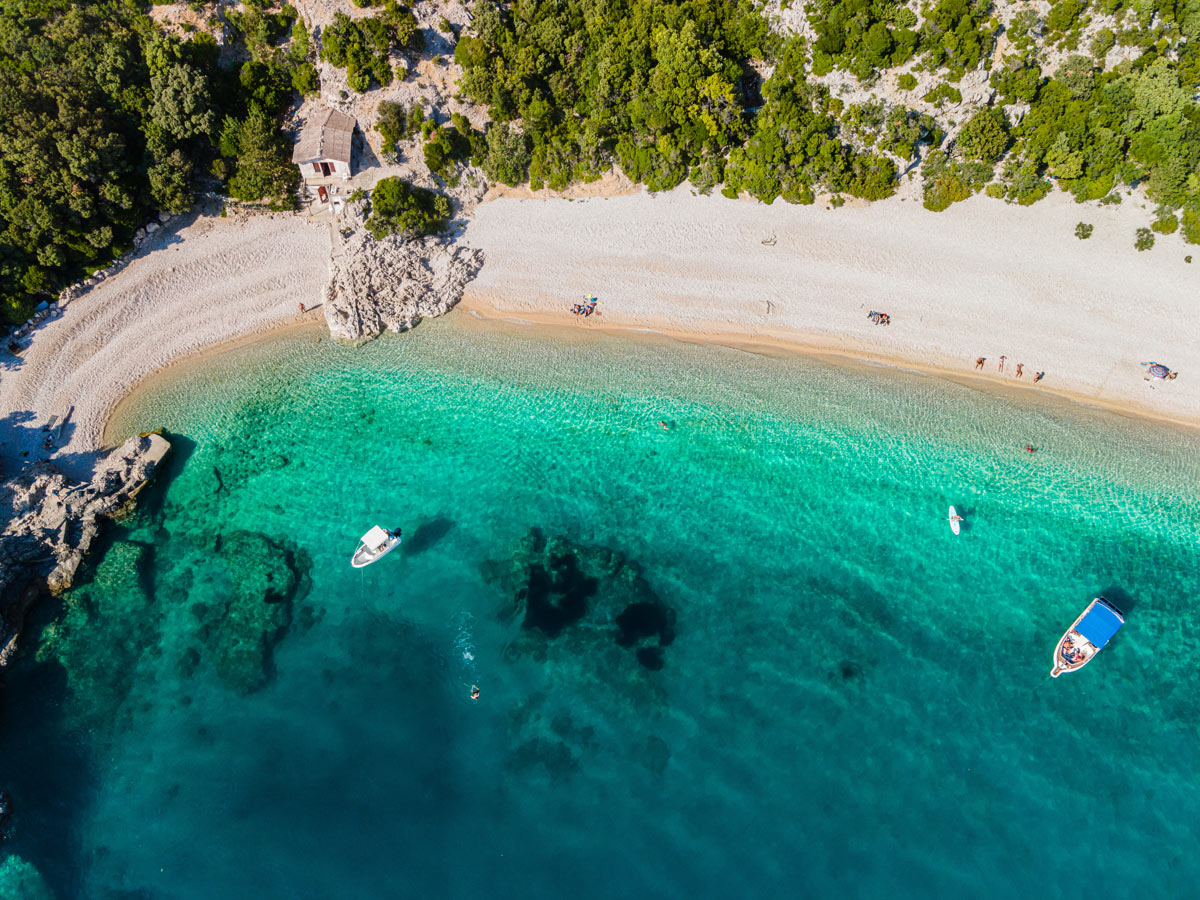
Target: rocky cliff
49, 522
395, 282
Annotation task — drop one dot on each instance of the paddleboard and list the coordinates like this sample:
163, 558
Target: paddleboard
954, 523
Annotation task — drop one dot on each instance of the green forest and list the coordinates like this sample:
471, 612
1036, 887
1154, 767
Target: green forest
107, 121
668, 92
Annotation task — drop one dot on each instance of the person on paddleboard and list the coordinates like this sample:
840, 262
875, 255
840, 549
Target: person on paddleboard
957, 518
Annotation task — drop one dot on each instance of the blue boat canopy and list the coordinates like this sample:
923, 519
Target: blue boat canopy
1100, 624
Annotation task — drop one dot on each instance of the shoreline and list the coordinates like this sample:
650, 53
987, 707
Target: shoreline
782, 345
778, 345
204, 281
109, 441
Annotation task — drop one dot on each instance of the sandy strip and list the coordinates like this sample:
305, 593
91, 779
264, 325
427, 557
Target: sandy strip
980, 279
196, 286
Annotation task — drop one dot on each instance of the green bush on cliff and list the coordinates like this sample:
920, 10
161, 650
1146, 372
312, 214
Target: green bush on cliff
399, 208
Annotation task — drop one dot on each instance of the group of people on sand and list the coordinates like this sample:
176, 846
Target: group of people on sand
586, 308
1020, 368
879, 318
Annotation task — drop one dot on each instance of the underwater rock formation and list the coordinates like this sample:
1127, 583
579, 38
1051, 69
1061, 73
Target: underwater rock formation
250, 613
395, 282
559, 586
128, 622
107, 623
50, 523
19, 879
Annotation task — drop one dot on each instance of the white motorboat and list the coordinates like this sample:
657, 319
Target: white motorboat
1092, 630
375, 545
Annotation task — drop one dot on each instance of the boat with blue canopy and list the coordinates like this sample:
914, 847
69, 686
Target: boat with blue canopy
1087, 636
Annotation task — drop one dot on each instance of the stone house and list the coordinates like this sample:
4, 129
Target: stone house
325, 146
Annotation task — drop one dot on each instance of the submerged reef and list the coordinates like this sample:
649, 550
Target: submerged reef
106, 626
156, 611
597, 593
241, 623
19, 880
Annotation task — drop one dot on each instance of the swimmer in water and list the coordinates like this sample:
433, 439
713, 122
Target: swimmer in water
664, 425
1029, 448
474, 692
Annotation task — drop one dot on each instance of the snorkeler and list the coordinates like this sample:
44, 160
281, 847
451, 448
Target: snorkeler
474, 692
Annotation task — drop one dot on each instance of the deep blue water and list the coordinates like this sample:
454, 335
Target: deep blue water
825, 693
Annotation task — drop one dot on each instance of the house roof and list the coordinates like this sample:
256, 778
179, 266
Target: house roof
326, 135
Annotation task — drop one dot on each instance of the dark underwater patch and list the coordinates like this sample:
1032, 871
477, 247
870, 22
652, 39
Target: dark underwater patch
595, 593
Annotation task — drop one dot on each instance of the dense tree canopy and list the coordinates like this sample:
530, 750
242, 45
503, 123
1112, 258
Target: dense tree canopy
106, 120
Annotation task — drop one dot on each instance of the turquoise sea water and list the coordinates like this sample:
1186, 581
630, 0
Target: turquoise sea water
824, 692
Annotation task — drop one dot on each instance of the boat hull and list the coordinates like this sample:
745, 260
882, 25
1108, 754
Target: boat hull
364, 556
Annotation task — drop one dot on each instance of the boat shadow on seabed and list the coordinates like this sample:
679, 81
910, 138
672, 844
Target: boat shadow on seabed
1120, 598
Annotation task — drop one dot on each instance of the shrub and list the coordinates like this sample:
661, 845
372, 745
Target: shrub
305, 80
985, 135
445, 148
395, 124
1145, 239
942, 93
1166, 223
1083, 231
399, 208
907, 81
507, 154
949, 181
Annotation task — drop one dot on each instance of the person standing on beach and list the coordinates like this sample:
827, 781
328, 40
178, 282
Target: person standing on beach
1002, 359
1020, 366
1038, 377
979, 362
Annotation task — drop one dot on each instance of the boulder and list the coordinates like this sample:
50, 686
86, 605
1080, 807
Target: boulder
394, 283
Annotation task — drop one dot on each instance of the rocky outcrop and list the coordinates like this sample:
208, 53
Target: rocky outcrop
50, 522
394, 283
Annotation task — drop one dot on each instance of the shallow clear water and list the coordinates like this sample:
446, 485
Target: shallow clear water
850, 699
